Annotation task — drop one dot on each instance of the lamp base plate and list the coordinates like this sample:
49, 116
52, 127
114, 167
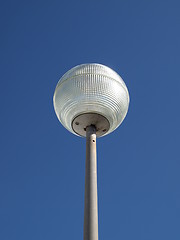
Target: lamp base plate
80, 123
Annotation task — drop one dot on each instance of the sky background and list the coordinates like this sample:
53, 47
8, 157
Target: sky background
42, 165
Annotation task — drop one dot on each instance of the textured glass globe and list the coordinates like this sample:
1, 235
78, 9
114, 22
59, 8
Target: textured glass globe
91, 90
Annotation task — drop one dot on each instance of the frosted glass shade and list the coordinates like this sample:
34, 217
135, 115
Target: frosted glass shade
91, 88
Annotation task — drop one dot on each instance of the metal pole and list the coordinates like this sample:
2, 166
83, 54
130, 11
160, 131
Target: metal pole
90, 206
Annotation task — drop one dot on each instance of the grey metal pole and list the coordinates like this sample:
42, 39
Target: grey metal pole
91, 206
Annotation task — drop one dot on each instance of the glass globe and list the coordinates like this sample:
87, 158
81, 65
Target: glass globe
91, 94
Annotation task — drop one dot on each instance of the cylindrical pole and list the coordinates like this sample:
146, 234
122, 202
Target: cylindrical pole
90, 206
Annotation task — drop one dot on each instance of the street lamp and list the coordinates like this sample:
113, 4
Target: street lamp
91, 100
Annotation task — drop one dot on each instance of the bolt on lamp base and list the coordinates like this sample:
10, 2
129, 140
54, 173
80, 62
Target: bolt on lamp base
80, 123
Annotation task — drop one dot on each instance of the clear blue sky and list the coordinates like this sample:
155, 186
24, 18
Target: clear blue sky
42, 165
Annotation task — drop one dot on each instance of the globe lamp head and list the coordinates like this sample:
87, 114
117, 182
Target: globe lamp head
91, 94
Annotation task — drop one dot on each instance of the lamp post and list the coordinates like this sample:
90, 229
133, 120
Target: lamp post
91, 100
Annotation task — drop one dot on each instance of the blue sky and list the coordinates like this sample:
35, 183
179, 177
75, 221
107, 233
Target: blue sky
42, 165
